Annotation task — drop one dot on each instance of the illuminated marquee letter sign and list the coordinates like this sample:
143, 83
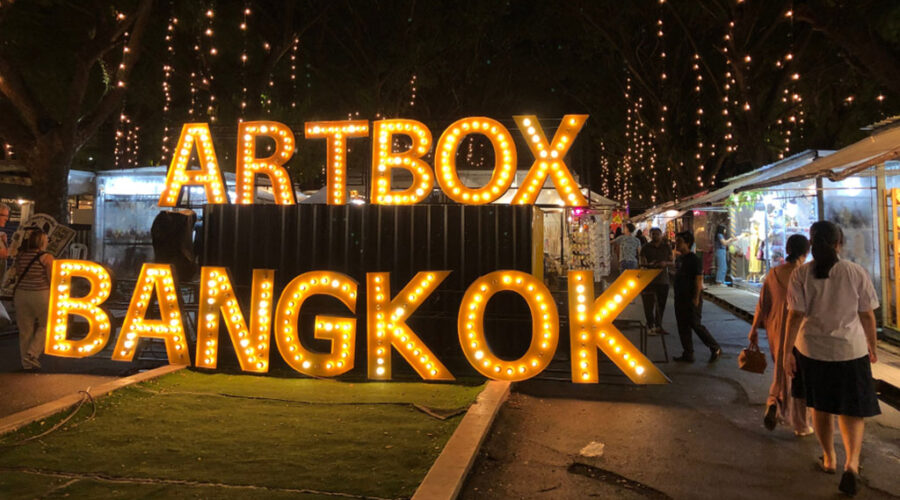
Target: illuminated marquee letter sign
62, 304
341, 331
504, 161
208, 175
387, 326
591, 327
336, 134
544, 325
217, 298
384, 160
248, 165
548, 160
155, 281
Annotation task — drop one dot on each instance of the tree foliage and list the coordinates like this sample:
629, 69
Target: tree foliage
60, 103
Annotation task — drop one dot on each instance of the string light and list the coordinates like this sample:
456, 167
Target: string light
168, 69
207, 69
412, 91
243, 58
294, 48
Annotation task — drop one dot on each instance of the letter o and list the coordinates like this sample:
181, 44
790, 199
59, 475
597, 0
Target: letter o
544, 325
504, 160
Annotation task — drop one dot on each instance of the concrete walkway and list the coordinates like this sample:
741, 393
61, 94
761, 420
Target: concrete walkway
699, 437
59, 377
743, 304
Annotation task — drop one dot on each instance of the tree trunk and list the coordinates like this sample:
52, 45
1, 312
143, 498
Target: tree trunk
49, 163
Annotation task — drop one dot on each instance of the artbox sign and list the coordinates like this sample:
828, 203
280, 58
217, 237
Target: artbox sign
386, 313
548, 161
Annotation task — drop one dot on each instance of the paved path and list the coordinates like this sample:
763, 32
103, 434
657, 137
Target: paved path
743, 304
60, 377
699, 437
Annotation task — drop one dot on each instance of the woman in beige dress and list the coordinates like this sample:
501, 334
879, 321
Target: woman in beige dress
771, 314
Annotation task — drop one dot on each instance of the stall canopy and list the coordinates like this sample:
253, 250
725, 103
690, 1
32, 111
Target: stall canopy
883, 145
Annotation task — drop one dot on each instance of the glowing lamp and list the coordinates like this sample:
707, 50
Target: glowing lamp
504, 160
586, 336
387, 328
248, 165
208, 175
62, 304
340, 331
336, 134
544, 324
155, 281
549, 160
384, 160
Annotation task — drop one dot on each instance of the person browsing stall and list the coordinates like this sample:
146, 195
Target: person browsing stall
628, 246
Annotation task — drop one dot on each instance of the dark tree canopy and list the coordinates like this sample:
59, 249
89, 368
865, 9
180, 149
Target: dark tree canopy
774, 78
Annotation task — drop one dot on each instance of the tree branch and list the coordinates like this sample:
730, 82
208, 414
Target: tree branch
88, 125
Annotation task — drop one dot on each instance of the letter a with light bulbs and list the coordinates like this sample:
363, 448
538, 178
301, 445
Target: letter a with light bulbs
276, 313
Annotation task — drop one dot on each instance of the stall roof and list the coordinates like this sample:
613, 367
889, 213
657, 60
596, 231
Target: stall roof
738, 183
883, 145
744, 182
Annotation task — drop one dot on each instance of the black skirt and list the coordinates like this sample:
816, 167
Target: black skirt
838, 387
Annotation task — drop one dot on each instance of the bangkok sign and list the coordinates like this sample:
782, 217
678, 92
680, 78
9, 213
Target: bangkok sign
272, 313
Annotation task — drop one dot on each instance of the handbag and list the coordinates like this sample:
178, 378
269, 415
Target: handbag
752, 359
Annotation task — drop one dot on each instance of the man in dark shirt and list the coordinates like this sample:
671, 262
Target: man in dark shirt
656, 254
688, 303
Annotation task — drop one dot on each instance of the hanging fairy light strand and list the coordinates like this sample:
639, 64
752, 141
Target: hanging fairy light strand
244, 57
168, 69
294, 49
727, 86
213, 52
604, 169
698, 118
412, 91
121, 143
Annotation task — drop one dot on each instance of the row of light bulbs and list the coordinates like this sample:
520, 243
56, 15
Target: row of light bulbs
590, 321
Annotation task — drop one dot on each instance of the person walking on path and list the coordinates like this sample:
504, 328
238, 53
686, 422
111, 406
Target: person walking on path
831, 335
628, 246
656, 254
688, 302
34, 268
771, 315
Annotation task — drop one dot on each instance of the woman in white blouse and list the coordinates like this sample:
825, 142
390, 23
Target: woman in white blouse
831, 331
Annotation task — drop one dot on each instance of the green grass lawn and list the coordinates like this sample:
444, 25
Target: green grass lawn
195, 435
